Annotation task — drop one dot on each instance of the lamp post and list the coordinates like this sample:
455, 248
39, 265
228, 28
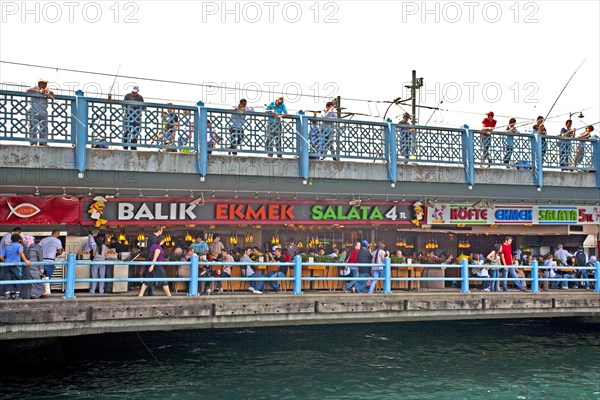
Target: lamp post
573, 113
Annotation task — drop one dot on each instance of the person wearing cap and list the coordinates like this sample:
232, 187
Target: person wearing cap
277, 110
364, 257
133, 118
38, 112
489, 123
406, 138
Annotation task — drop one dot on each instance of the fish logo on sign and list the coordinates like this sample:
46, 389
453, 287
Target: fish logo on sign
23, 210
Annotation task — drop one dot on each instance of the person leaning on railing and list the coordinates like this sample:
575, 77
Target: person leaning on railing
580, 151
278, 110
540, 129
489, 124
509, 141
133, 118
38, 112
565, 144
238, 118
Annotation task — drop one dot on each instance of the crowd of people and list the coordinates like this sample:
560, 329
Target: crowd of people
177, 127
561, 269
568, 157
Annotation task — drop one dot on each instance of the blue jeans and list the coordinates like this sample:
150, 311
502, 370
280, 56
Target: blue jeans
494, 274
568, 276
354, 274
49, 270
361, 286
275, 274
258, 284
582, 273
511, 274
376, 274
555, 283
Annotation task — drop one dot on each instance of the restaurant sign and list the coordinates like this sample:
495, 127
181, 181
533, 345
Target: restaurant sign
233, 212
39, 210
454, 214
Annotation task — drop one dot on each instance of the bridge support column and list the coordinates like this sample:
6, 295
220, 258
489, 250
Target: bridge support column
79, 125
464, 287
297, 275
535, 283
597, 276
70, 276
193, 288
387, 275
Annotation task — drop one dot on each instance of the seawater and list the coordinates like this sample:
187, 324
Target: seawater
494, 359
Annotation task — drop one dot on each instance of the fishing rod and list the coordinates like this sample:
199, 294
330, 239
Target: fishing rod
113, 84
563, 89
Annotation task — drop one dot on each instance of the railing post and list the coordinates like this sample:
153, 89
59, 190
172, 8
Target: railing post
597, 277
302, 146
596, 162
464, 287
535, 283
297, 275
391, 151
200, 142
70, 277
193, 287
387, 275
538, 160
79, 128
468, 153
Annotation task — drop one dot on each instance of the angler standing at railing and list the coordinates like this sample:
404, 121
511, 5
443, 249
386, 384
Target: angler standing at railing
509, 140
38, 112
133, 118
327, 130
277, 108
579, 153
406, 138
540, 129
489, 124
565, 144
237, 124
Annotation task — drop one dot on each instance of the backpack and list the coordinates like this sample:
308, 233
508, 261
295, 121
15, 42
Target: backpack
580, 258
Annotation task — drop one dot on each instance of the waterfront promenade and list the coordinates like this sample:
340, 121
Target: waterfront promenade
82, 313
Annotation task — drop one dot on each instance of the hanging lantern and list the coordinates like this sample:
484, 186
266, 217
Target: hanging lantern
141, 237
233, 238
188, 237
299, 245
122, 235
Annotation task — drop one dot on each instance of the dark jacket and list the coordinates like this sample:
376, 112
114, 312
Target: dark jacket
364, 257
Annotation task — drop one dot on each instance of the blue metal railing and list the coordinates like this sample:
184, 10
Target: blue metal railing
297, 278
94, 122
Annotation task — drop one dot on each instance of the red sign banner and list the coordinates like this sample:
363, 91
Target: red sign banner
39, 210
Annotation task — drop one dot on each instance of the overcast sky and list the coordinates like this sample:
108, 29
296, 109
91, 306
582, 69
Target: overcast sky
510, 57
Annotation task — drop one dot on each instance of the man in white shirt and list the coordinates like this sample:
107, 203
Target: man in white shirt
51, 247
562, 254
